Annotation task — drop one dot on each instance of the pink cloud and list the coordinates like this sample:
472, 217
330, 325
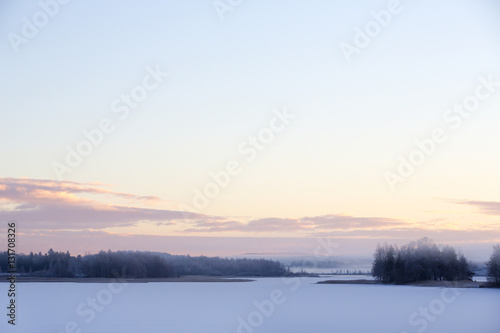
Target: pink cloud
45, 191
340, 222
305, 224
487, 207
47, 204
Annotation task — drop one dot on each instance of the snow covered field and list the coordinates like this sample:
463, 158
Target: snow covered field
270, 305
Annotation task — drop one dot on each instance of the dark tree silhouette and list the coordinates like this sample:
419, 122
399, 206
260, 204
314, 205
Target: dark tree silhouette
132, 264
418, 261
493, 266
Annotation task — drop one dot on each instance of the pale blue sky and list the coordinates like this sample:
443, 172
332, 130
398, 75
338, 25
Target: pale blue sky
226, 77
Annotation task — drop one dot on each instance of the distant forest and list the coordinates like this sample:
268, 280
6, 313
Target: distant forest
419, 261
130, 264
316, 263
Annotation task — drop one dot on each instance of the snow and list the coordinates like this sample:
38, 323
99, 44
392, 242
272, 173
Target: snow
270, 305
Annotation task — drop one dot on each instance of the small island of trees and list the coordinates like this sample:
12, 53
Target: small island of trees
419, 261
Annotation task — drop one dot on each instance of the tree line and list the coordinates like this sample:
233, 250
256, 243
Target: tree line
136, 264
317, 263
419, 261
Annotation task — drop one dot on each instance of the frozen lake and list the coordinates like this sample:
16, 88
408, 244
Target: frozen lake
271, 305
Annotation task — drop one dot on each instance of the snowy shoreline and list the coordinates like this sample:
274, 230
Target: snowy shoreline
440, 284
132, 280
205, 279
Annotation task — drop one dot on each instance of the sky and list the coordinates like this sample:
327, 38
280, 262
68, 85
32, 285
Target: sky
228, 127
